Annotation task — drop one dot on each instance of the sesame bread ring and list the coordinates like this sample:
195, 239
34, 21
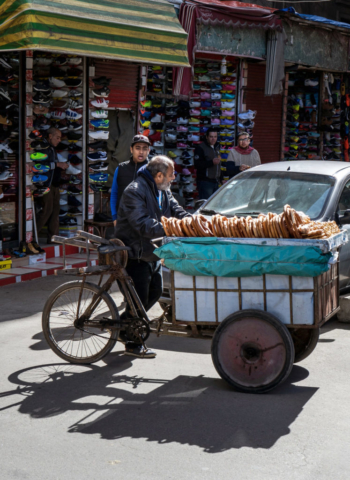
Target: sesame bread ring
185, 228
295, 223
189, 224
216, 228
236, 226
265, 227
270, 227
277, 227
176, 230
255, 227
261, 227
222, 221
195, 226
164, 221
242, 225
203, 222
227, 230
283, 226
179, 227
249, 227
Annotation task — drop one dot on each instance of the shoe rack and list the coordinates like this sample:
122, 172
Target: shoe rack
303, 139
98, 135
55, 98
335, 116
10, 76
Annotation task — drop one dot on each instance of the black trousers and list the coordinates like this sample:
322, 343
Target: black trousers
148, 282
50, 212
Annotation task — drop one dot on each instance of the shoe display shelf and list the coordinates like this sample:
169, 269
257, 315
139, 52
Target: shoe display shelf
303, 139
57, 96
9, 149
335, 117
213, 104
98, 135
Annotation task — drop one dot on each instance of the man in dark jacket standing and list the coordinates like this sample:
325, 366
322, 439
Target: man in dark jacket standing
208, 164
144, 202
127, 171
51, 201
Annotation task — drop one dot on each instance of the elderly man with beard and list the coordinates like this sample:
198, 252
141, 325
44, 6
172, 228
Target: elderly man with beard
144, 202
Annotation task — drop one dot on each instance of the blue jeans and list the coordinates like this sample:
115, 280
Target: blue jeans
206, 189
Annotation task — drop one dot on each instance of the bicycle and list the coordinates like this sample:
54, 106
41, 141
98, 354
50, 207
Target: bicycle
80, 320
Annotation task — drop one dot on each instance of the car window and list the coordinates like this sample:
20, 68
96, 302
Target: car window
344, 202
263, 192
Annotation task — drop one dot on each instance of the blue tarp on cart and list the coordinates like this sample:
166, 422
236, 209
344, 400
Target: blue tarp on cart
215, 257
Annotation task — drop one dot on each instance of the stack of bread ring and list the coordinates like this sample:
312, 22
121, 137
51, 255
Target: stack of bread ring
289, 224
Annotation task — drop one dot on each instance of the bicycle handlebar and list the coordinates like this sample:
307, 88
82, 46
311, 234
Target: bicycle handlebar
104, 249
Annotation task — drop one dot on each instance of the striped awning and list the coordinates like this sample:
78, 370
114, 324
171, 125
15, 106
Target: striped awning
145, 31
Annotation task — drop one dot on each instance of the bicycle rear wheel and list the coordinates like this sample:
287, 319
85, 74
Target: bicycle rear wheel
75, 345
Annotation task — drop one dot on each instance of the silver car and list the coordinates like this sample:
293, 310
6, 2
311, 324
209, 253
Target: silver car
319, 189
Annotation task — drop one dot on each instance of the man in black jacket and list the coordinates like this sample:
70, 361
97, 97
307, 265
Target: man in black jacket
127, 171
208, 164
51, 201
144, 202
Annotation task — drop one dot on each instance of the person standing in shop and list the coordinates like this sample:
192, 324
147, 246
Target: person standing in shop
144, 202
126, 172
51, 201
208, 164
244, 156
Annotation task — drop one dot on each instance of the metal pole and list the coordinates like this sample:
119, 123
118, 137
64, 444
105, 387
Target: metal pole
34, 220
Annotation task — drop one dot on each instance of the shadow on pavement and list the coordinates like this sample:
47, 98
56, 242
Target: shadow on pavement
200, 411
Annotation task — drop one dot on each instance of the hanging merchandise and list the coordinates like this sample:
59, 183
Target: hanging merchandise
335, 118
302, 140
58, 103
98, 134
9, 150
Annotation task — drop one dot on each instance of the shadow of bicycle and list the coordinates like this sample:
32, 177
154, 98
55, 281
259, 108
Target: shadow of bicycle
199, 411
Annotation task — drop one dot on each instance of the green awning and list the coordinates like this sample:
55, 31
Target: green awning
146, 31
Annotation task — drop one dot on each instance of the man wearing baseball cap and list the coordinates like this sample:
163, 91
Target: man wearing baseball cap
127, 171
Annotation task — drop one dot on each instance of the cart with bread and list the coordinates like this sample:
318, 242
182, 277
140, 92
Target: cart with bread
259, 288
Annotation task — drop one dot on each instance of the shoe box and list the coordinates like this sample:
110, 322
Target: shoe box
38, 258
9, 235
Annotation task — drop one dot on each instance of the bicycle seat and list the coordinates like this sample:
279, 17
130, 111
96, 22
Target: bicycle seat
108, 249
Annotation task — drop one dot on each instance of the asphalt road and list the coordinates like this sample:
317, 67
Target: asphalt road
166, 418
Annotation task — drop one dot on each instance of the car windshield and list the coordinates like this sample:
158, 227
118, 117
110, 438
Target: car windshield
261, 192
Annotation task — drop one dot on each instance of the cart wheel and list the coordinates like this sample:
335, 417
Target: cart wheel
305, 341
253, 351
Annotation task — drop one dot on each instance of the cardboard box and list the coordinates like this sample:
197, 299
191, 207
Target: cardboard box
39, 258
5, 265
8, 232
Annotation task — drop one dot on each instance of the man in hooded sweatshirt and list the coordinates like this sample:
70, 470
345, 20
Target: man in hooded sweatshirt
144, 202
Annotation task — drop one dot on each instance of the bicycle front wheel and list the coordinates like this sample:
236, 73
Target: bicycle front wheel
78, 345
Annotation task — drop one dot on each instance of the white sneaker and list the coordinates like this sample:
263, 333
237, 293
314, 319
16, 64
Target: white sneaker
99, 134
158, 144
99, 114
100, 103
61, 158
62, 201
74, 60
58, 114
72, 115
250, 115
59, 93
193, 138
75, 103
310, 83
228, 105
216, 96
5, 147
170, 138
43, 61
195, 104
5, 175
182, 121
72, 170
55, 82
156, 119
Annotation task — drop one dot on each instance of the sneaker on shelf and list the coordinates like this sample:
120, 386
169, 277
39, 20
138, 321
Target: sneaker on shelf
62, 146
74, 93
42, 87
71, 135
58, 115
35, 134
158, 145
40, 168
74, 82
310, 83
74, 190
60, 60
101, 92
4, 63
195, 104
73, 125
40, 191
250, 115
73, 211
181, 128
63, 213
99, 166
102, 81
100, 114
38, 156
55, 82
35, 178
98, 177
96, 145
74, 159
72, 115
74, 60
194, 120
57, 103
73, 201
181, 145
99, 188
99, 134
156, 119
97, 156
193, 138
59, 93
100, 123
39, 98
195, 112
74, 180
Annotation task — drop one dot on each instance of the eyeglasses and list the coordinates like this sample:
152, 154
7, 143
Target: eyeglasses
244, 139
